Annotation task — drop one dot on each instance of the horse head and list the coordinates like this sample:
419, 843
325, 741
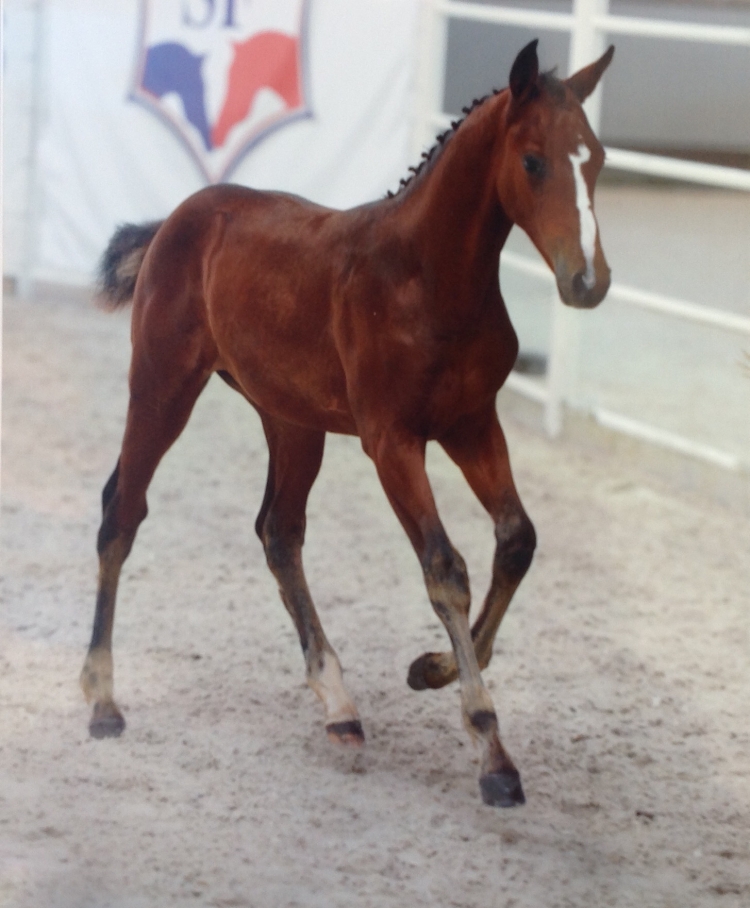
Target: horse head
548, 165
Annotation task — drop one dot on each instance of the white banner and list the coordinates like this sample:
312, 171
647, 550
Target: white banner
147, 102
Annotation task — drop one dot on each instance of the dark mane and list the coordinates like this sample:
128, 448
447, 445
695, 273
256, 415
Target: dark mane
432, 154
548, 82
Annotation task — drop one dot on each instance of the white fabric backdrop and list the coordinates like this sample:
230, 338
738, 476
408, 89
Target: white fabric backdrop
104, 160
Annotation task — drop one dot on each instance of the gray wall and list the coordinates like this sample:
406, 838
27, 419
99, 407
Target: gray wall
657, 94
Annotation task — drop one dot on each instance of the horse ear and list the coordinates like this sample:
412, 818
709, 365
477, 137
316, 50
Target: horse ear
585, 80
524, 72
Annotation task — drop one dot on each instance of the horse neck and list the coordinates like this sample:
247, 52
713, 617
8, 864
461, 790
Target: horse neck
458, 221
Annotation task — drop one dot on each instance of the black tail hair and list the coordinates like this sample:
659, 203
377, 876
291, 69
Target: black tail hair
121, 262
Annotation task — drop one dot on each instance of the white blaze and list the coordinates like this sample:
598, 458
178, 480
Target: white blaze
585, 213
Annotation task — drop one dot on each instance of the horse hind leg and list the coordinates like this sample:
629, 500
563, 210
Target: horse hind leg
97, 674
156, 417
295, 458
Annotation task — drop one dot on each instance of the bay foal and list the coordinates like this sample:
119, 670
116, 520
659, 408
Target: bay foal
386, 322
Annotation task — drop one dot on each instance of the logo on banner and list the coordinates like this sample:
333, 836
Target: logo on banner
222, 74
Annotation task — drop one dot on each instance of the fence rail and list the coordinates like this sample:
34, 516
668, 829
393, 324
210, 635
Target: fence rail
604, 23
677, 169
588, 23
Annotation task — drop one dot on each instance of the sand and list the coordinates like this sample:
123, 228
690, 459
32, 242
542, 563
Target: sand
621, 673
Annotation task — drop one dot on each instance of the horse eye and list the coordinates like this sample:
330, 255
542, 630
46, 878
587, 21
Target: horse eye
533, 165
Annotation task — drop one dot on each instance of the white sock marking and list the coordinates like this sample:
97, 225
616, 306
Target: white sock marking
585, 212
329, 686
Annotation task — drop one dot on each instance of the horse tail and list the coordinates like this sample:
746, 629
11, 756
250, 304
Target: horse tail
121, 262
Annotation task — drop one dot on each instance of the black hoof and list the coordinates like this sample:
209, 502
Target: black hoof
416, 677
107, 721
502, 789
427, 672
350, 733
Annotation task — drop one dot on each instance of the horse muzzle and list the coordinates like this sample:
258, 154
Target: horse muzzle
578, 288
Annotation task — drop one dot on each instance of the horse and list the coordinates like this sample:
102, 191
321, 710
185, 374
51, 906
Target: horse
385, 322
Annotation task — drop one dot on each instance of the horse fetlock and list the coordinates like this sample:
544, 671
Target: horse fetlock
327, 681
97, 685
479, 714
97, 676
483, 722
499, 780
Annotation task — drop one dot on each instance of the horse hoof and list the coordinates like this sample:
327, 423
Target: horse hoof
428, 671
106, 722
349, 733
502, 789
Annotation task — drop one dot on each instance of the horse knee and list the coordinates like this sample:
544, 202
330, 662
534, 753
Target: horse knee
446, 578
281, 543
516, 541
278, 552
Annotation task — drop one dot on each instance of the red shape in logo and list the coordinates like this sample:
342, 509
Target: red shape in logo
267, 60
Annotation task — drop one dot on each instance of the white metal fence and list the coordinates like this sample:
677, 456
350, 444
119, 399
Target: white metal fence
589, 25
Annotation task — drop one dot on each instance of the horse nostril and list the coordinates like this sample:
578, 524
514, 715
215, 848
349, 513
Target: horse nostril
583, 289
580, 284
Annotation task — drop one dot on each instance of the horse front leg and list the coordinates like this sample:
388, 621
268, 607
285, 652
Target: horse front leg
478, 447
401, 468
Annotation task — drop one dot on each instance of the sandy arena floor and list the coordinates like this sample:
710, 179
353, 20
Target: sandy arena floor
621, 674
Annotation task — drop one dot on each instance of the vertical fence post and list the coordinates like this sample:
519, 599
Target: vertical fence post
586, 45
